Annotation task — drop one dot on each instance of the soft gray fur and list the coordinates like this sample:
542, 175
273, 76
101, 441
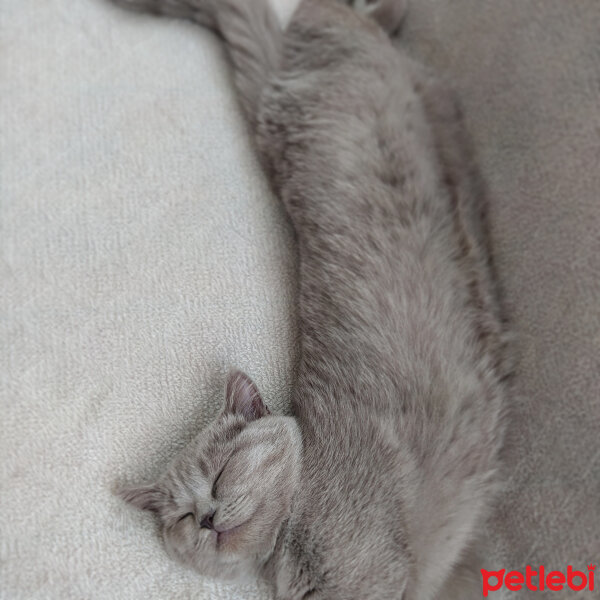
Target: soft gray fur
379, 484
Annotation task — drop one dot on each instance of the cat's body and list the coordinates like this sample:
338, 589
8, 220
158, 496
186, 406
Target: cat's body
398, 398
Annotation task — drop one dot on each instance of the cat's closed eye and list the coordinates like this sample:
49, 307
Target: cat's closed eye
213, 491
190, 514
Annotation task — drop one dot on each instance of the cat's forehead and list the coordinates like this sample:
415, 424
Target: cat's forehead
187, 480
222, 432
193, 488
205, 455
215, 445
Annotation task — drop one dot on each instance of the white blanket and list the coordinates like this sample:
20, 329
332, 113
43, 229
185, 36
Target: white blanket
143, 255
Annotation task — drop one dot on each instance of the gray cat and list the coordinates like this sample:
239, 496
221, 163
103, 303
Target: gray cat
377, 486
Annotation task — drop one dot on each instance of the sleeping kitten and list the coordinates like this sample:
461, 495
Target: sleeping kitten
378, 485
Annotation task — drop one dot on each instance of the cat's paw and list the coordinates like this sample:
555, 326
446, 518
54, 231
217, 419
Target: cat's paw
388, 13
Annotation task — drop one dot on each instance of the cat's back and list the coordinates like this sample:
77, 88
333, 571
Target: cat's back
343, 99
395, 394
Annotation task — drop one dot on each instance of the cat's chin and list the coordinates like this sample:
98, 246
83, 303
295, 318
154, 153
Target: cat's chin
221, 565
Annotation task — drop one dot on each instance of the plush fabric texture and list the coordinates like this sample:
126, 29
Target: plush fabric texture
143, 255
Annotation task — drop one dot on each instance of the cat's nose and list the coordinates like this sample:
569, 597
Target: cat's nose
207, 521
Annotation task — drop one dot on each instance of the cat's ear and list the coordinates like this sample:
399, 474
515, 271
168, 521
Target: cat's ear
243, 398
145, 497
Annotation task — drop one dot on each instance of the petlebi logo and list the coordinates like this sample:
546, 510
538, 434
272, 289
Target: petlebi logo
538, 580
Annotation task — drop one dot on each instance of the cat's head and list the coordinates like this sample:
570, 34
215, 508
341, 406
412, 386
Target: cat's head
223, 499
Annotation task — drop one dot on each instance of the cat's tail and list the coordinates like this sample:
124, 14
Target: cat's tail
250, 29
